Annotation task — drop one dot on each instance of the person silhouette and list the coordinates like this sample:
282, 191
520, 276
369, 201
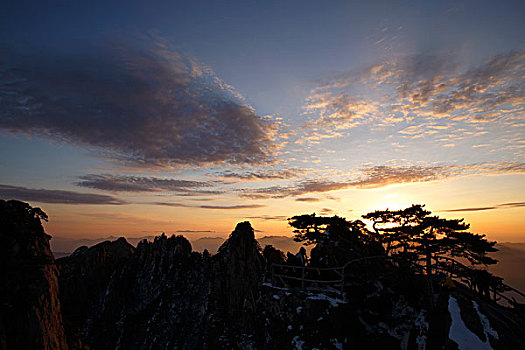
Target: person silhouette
301, 255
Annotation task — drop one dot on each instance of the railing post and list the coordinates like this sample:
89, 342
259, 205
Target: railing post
343, 281
302, 278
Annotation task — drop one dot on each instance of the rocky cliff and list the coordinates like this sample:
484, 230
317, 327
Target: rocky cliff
84, 276
30, 310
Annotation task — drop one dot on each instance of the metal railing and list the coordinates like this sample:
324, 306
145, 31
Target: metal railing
312, 278
334, 279
460, 272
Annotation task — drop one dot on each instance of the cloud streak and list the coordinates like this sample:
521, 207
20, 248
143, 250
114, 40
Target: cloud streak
120, 183
142, 104
264, 174
213, 207
497, 206
232, 207
308, 199
56, 196
268, 217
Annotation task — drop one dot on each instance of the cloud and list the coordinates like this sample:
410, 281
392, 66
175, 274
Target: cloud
497, 206
169, 204
232, 207
215, 207
301, 188
120, 183
340, 111
268, 217
56, 196
143, 104
308, 199
326, 211
382, 175
264, 174
193, 231
424, 95
372, 177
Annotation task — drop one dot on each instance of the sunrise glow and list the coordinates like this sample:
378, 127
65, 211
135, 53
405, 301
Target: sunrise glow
199, 116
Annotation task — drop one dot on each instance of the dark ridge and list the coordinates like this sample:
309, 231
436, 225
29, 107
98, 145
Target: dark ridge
161, 295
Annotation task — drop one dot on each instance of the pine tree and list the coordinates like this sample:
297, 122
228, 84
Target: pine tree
425, 237
312, 229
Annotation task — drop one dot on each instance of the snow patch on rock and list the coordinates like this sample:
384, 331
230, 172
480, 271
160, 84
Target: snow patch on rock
485, 322
334, 302
459, 332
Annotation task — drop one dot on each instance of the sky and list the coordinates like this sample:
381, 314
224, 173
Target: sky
135, 118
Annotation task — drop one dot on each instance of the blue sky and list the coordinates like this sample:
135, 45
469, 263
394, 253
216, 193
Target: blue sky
169, 111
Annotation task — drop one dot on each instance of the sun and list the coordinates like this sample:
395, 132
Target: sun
393, 201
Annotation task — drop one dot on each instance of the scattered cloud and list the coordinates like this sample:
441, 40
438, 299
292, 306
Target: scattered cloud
381, 176
55, 196
497, 206
372, 177
263, 174
121, 183
339, 111
424, 95
143, 104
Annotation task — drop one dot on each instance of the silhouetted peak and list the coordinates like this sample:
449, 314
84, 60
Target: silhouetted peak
241, 239
180, 245
80, 250
100, 257
237, 267
121, 240
119, 247
244, 229
177, 245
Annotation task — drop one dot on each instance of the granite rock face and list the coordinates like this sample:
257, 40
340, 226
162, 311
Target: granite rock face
30, 311
84, 276
162, 294
236, 275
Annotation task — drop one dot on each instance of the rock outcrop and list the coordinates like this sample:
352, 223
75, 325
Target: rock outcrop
30, 311
84, 277
237, 270
162, 294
